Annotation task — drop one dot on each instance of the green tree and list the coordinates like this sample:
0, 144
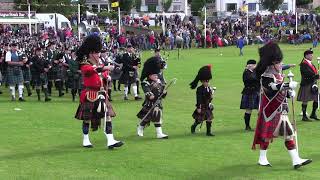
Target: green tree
196, 5
126, 5
47, 6
303, 2
167, 4
137, 4
271, 5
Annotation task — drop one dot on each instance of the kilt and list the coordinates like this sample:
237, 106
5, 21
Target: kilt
128, 77
14, 75
154, 116
74, 81
206, 116
116, 74
26, 75
86, 111
305, 94
57, 73
249, 101
51, 75
40, 80
264, 130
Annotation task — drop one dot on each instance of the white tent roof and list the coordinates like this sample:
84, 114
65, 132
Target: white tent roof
17, 21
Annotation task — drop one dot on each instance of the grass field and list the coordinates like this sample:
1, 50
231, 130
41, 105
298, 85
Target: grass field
44, 141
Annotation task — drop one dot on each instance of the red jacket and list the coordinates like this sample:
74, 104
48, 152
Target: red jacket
91, 80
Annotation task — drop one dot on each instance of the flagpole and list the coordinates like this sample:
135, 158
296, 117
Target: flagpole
296, 12
247, 21
29, 16
79, 33
119, 19
205, 26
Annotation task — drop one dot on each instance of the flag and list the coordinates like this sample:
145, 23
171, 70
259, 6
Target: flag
244, 7
115, 4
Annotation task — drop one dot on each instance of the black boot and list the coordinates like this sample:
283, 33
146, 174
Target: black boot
109, 95
60, 86
304, 113
38, 94
247, 121
119, 85
314, 109
49, 88
209, 128
45, 90
114, 85
28, 88
73, 92
193, 127
138, 84
66, 85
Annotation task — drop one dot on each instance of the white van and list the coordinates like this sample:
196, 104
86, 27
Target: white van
53, 20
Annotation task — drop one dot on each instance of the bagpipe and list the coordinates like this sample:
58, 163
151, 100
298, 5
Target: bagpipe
157, 102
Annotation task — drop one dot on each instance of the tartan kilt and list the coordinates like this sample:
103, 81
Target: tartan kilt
264, 130
128, 77
51, 75
249, 101
154, 116
26, 75
206, 116
74, 82
305, 94
58, 73
86, 111
14, 75
40, 80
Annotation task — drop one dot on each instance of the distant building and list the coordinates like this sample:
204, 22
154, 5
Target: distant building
97, 5
253, 6
7, 4
176, 6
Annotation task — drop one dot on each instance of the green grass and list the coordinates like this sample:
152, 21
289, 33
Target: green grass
43, 140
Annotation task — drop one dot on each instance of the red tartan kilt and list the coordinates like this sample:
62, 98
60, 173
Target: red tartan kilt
86, 111
264, 130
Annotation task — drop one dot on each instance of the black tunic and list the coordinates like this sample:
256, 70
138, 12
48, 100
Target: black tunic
129, 74
204, 98
308, 79
39, 76
250, 92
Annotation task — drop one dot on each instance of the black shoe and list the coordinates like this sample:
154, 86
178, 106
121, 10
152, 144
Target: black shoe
314, 116
21, 100
137, 98
308, 161
267, 165
115, 89
13, 98
29, 94
119, 89
119, 144
210, 134
126, 98
305, 118
47, 99
0, 92
248, 128
88, 146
